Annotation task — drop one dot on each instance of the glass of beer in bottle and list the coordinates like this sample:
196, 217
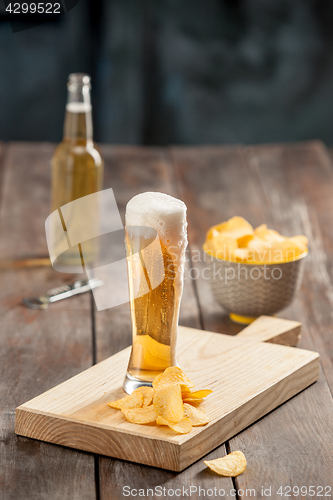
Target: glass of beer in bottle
156, 240
77, 166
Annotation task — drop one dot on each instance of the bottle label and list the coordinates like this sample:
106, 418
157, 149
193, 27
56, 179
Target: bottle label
78, 107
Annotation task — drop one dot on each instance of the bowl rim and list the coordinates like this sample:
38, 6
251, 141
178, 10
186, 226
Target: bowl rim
299, 257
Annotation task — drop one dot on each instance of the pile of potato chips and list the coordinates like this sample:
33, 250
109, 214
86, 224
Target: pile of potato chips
169, 402
237, 241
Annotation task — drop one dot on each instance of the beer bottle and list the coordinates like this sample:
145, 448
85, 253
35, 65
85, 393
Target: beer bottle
77, 166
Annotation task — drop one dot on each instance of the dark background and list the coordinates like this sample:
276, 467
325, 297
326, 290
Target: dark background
175, 71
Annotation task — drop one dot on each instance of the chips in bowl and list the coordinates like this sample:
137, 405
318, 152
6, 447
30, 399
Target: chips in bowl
237, 241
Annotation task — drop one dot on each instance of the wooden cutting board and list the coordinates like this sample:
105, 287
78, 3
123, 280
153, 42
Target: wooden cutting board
249, 377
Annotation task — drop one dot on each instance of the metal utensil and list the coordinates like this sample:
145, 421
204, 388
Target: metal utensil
61, 292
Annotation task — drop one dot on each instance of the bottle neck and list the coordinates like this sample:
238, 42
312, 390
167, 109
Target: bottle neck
78, 127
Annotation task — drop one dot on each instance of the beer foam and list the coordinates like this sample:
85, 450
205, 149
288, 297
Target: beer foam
78, 107
165, 214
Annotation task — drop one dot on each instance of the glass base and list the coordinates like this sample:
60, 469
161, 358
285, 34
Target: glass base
132, 383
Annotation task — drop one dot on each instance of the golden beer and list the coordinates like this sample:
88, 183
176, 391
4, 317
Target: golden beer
155, 244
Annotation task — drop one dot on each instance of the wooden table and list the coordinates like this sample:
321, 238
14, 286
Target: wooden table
289, 187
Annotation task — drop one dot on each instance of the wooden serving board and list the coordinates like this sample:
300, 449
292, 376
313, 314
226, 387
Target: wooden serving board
249, 378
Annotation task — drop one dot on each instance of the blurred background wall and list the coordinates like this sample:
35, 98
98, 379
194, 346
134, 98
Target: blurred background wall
182, 72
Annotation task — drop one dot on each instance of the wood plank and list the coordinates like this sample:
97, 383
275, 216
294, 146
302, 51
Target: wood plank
157, 482
288, 208
261, 376
299, 179
274, 330
26, 181
217, 183
129, 171
297, 435
39, 348
115, 471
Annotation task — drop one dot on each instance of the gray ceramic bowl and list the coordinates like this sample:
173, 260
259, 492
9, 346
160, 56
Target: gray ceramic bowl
247, 291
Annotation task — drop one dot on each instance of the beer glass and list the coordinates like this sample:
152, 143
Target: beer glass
156, 240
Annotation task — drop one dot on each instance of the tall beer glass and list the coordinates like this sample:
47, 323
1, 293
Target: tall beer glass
156, 240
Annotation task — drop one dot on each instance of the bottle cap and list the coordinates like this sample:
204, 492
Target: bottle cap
79, 79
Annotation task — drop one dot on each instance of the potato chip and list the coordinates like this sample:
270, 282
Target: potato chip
145, 415
257, 244
185, 388
147, 393
235, 240
282, 251
174, 374
301, 242
268, 235
240, 229
236, 228
286, 251
168, 402
193, 401
241, 254
134, 400
231, 465
203, 393
195, 398
258, 251
186, 395
192, 396
197, 417
222, 247
278, 248
301, 239
184, 426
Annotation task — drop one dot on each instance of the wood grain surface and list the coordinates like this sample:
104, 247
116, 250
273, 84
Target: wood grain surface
273, 330
286, 186
38, 350
224, 182
248, 378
